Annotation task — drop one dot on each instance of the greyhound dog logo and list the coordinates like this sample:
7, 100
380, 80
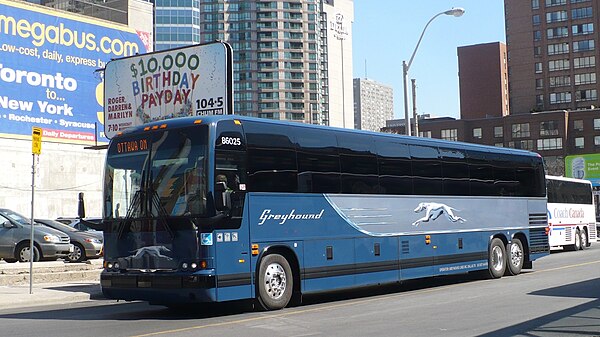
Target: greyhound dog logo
434, 210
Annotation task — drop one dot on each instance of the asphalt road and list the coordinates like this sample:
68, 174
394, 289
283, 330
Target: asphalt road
560, 297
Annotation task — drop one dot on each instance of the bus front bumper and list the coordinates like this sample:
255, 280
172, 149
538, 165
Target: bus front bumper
159, 288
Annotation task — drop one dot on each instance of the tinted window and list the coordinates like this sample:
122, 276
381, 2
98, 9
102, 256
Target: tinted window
271, 158
530, 176
229, 136
568, 192
318, 161
358, 163
455, 171
426, 169
395, 171
481, 173
505, 182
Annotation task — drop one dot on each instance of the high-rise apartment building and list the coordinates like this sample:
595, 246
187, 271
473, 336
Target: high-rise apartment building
551, 46
483, 80
373, 104
292, 59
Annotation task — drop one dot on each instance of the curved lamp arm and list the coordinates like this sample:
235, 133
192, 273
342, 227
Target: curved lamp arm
456, 12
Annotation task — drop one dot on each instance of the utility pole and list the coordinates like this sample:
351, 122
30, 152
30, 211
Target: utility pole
414, 104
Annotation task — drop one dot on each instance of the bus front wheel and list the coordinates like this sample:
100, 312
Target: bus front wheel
497, 258
515, 257
275, 282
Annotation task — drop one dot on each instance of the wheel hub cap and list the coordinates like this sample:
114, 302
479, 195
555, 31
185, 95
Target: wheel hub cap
275, 280
497, 258
516, 255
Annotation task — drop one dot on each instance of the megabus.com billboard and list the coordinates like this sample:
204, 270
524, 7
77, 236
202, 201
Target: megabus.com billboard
48, 71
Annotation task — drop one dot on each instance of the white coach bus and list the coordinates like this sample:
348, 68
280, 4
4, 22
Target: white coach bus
571, 213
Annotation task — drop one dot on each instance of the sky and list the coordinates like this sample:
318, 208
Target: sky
386, 32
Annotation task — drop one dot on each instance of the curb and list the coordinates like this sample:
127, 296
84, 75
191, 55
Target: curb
17, 274
48, 294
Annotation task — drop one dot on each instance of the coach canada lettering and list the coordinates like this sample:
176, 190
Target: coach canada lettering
292, 215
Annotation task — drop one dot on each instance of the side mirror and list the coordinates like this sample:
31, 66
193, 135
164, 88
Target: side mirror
222, 197
7, 224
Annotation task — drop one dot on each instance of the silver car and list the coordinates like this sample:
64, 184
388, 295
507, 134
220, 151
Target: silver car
86, 245
15, 233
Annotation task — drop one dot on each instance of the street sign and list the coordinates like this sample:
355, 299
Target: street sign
36, 140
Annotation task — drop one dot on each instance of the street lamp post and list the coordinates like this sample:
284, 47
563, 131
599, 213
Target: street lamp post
405, 66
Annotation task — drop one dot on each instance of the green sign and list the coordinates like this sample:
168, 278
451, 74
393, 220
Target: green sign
585, 166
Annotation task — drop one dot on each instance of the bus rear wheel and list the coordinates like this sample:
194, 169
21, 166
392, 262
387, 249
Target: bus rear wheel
275, 282
515, 257
584, 240
577, 245
497, 258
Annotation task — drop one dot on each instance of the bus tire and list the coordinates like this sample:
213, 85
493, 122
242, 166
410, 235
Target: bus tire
497, 258
515, 257
583, 239
577, 244
275, 282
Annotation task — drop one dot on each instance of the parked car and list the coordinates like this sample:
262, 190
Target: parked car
77, 224
15, 234
83, 227
86, 245
67, 220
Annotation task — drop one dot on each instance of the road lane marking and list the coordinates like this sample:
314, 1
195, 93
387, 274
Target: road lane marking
296, 312
564, 267
340, 305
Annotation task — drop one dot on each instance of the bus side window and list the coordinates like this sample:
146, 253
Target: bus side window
395, 168
455, 171
427, 170
230, 177
272, 163
318, 162
358, 164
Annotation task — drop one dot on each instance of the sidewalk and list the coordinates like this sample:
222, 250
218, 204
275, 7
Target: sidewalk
54, 282
12, 297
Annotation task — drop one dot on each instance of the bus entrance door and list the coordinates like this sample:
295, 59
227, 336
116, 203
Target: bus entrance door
233, 264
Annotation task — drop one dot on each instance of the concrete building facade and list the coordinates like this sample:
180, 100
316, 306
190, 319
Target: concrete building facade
373, 104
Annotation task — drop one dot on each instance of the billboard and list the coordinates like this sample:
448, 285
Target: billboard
188, 81
586, 166
48, 71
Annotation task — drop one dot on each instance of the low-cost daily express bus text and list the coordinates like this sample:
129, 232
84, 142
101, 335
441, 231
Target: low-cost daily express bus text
571, 213
227, 207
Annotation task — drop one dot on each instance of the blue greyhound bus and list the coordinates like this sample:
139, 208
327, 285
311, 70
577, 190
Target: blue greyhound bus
219, 208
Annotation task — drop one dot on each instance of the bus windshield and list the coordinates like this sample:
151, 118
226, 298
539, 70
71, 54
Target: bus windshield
154, 184
161, 174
